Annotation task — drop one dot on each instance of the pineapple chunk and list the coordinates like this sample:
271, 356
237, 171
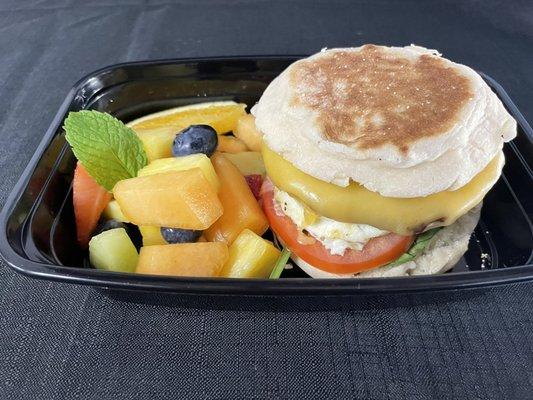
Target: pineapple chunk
250, 256
183, 259
157, 142
241, 210
113, 211
177, 199
151, 235
113, 250
183, 163
230, 144
248, 133
248, 162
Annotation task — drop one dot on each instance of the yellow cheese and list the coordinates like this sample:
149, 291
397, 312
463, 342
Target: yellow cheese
358, 205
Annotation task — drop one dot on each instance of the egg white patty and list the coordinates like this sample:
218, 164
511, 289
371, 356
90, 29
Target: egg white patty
334, 235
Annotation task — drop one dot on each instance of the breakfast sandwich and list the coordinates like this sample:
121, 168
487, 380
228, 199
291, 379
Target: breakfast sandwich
378, 159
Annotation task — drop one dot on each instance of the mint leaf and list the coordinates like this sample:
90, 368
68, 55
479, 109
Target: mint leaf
108, 149
420, 244
280, 264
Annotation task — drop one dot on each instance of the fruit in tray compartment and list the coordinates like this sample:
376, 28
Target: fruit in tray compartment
113, 250
177, 199
241, 210
248, 133
231, 144
157, 131
183, 163
177, 235
183, 259
248, 162
113, 211
195, 139
89, 200
250, 256
151, 235
157, 143
254, 183
221, 115
108, 225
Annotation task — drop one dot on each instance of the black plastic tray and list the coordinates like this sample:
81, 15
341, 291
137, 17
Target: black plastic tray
37, 232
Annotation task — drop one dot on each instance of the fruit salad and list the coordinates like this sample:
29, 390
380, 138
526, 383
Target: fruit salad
173, 193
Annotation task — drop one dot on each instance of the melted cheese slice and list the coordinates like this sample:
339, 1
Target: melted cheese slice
358, 205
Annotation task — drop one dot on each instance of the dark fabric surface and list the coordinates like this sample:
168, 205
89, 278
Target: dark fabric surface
60, 341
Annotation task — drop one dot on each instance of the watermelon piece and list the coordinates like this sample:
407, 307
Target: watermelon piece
90, 199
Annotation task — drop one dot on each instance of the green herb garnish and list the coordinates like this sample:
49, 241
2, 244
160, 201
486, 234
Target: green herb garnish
280, 264
420, 244
108, 149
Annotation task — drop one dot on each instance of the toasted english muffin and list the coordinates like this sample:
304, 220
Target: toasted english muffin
401, 121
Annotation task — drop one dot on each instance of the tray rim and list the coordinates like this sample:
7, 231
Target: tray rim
190, 285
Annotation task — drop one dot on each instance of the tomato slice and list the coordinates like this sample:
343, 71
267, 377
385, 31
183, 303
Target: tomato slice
376, 252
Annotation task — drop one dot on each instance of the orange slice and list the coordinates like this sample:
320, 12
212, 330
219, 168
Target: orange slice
221, 115
157, 131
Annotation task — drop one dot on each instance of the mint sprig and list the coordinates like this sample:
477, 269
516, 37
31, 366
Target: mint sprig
108, 149
420, 244
280, 264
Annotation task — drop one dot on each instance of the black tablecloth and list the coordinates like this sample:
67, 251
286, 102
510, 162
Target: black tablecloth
60, 341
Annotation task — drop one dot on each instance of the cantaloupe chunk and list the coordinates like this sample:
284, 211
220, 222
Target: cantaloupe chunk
181, 164
248, 133
176, 199
241, 210
183, 259
250, 256
231, 144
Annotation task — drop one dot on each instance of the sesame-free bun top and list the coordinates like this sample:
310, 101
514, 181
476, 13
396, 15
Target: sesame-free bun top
402, 121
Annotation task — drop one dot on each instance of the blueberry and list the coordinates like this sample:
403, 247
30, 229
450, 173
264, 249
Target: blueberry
108, 225
177, 235
195, 139
135, 235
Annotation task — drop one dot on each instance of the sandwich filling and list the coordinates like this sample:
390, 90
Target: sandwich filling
357, 205
335, 236
350, 230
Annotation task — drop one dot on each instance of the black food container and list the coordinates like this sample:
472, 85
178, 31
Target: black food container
37, 229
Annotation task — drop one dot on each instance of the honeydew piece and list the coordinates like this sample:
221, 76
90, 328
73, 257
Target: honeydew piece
113, 211
113, 250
